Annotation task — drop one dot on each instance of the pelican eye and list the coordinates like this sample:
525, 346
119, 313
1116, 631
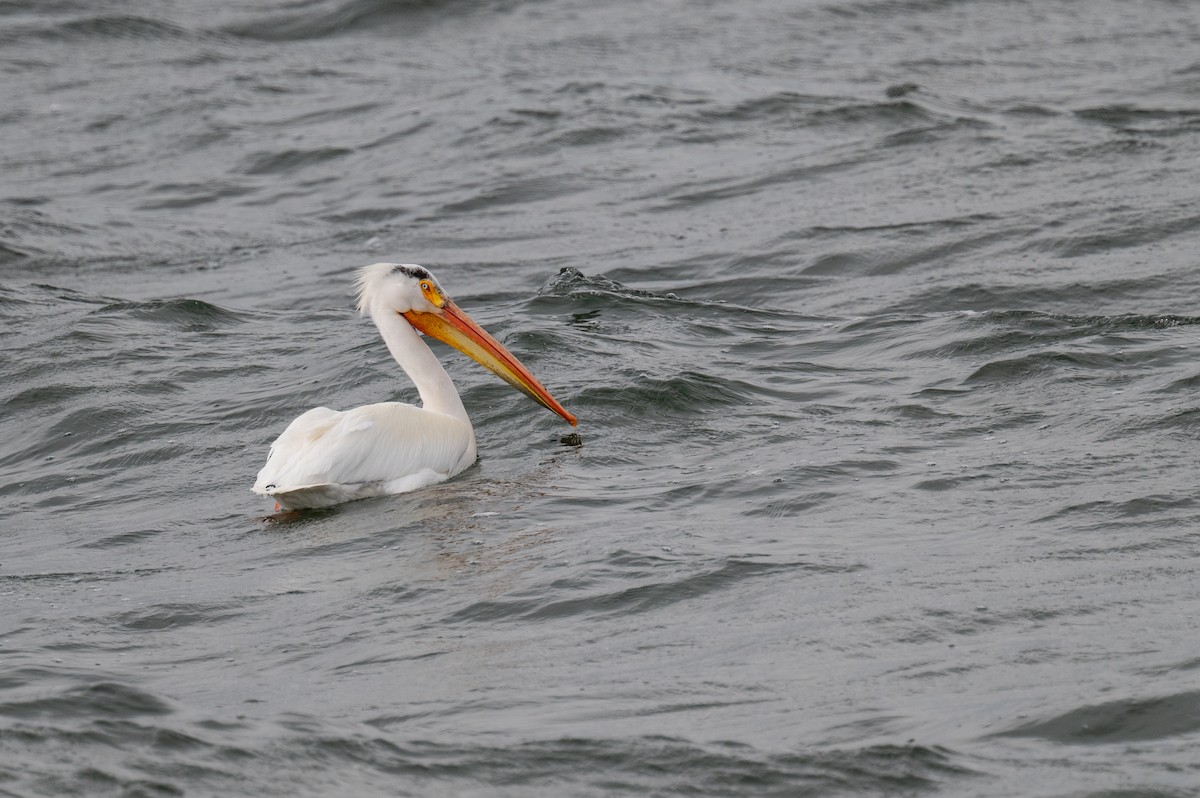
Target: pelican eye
432, 293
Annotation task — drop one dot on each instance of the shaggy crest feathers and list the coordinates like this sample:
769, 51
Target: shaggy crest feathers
369, 278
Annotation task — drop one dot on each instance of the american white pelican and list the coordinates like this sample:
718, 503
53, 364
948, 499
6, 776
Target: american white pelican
327, 457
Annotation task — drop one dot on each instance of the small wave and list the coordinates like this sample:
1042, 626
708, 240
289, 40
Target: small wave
908, 228
1129, 118
646, 597
517, 192
1033, 110
887, 8
1022, 368
1119, 512
1009, 330
645, 765
114, 575
553, 138
596, 292
304, 755
804, 110
10, 254
287, 161
687, 394
103, 699
345, 17
693, 193
30, 232
73, 433
1126, 721
175, 196
127, 537
980, 297
112, 26
191, 315
339, 114
364, 216
571, 282
1119, 234
171, 616
1092, 325
785, 103
886, 260
1185, 421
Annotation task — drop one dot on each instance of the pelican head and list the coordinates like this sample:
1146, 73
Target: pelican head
398, 288
413, 292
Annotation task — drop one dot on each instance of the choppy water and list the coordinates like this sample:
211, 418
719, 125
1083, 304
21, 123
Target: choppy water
879, 319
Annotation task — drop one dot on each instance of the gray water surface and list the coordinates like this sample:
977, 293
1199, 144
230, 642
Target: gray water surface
878, 317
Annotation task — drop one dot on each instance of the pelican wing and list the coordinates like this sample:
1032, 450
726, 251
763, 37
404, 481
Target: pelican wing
375, 449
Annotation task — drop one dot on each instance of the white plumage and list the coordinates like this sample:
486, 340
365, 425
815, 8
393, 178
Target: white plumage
326, 457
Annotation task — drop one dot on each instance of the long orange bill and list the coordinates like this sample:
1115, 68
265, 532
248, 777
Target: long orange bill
456, 328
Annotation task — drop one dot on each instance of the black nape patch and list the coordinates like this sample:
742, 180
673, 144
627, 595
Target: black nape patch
415, 272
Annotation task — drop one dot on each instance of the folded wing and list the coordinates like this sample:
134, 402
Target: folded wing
326, 456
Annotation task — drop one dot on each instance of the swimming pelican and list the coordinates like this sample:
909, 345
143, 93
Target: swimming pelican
327, 457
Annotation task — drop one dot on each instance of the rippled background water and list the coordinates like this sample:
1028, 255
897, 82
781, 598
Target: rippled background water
877, 317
